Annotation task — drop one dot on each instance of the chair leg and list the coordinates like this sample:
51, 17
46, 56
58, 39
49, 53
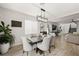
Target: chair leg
50, 50
24, 52
40, 51
27, 53
43, 53
54, 46
37, 50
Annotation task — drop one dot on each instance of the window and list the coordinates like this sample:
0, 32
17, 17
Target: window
31, 27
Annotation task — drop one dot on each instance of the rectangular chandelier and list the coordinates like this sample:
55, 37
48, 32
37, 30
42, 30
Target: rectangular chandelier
42, 16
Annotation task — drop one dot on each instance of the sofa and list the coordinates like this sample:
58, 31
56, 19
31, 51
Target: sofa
72, 38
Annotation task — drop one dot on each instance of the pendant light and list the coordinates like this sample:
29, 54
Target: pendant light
42, 17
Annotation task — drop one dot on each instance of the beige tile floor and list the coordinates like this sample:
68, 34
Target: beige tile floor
63, 48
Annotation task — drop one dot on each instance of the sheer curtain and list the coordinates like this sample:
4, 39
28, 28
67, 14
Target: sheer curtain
65, 28
31, 27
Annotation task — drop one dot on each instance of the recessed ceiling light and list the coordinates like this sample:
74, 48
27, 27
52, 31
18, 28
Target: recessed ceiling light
42, 3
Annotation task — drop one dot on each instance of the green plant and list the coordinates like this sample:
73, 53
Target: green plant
6, 36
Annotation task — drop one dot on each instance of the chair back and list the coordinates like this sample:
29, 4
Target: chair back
46, 42
26, 45
52, 42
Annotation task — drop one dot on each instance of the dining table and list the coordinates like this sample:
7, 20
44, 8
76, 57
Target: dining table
35, 39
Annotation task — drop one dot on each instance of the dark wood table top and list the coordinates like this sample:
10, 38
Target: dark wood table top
32, 43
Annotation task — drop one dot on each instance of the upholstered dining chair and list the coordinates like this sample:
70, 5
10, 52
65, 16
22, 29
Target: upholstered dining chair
44, 46
53, 35
52, 42
26, 46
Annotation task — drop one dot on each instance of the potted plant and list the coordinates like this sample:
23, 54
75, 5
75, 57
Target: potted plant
6, 38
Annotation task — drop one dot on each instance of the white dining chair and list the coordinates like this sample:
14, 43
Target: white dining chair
44, 46
52, 42
53, 35
26, 46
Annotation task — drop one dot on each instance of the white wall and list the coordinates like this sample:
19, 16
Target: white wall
7, 15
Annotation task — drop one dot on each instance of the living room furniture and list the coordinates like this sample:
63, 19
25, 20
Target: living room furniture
34, 38
44, 45
72, 38
26, 46
52, 42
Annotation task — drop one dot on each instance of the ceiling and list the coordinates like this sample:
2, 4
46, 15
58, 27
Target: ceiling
54, 11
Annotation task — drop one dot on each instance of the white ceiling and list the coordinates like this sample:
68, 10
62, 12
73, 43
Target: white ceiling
53, 10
